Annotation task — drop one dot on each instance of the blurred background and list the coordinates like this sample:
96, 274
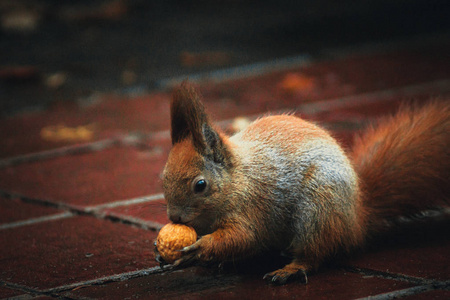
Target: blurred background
54, 51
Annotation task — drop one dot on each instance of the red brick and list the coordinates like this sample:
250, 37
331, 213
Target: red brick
422, 251
199, 283
88, 179
71, 250
13, 210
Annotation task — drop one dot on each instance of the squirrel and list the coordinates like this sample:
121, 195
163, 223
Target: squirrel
285, 184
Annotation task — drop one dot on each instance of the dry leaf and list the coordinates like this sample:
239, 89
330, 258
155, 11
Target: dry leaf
62, 133
296, 82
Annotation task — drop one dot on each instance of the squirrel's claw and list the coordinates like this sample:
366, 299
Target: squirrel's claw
189, 256
185, 261
281, 277
192, 254
276, 279
190, 248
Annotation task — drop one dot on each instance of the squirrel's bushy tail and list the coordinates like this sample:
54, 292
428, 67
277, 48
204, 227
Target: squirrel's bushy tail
404, 163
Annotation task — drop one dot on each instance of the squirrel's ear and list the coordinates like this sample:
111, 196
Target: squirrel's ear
189, 118
187, 115
215, 148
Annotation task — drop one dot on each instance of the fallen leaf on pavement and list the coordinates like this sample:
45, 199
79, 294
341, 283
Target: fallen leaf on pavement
62, 133
296, 82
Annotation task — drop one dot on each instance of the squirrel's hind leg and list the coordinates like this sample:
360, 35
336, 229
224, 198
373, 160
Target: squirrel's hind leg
296, 270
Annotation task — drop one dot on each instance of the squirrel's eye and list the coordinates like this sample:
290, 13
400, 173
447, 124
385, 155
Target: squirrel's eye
199, 185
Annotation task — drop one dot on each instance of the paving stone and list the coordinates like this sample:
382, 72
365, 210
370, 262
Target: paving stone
14, 210
71, 250
421, 251
88, 179
200, 283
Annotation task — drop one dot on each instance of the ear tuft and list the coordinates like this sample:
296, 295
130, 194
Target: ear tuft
189, 120
187, 115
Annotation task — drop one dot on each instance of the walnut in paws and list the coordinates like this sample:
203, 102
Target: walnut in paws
172, 238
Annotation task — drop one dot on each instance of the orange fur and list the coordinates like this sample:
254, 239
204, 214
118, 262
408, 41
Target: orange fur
404, 162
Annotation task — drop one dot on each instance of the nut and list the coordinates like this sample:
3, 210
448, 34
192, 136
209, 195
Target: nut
172, 238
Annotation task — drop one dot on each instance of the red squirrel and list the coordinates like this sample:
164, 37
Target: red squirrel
285, 184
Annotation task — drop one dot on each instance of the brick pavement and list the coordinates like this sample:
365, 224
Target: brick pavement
81, 197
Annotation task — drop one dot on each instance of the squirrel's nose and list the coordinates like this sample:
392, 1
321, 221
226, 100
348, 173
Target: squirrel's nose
175, 215
175, 218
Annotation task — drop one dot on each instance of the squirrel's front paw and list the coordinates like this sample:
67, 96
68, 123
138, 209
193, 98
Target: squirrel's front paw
200, 251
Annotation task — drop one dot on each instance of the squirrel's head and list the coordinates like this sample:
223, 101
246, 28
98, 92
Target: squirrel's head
197, 173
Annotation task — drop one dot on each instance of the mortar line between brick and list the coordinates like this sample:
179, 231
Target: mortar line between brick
126, 202
63, 215
75, 149
326, 105
396, 276
106, 279
147, 225
43, 202
239, 72
128, 220
29, 291
407, 292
